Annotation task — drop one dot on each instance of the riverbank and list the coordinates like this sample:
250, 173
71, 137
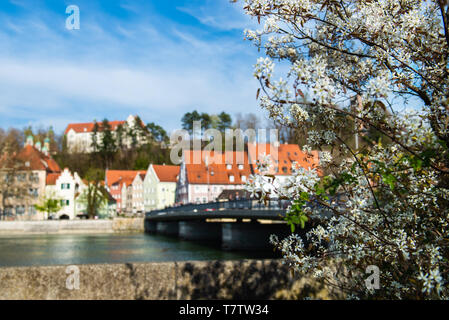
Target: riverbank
244, 279
72, 226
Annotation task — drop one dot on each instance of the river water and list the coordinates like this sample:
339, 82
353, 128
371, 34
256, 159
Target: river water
64, 249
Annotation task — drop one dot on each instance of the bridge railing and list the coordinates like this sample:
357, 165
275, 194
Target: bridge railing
247, 204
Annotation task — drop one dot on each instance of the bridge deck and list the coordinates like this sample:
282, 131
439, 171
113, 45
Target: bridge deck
219, 214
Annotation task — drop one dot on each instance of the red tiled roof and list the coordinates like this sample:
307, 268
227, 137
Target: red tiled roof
51, 179
32, 159
217, 173
118, 176
166, 173
89, 126
286, 155
126, 181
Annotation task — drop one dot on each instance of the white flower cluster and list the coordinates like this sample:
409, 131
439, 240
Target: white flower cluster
298, 113
387, 202
263, 67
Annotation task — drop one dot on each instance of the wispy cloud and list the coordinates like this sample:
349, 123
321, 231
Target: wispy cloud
221, 14
148, 64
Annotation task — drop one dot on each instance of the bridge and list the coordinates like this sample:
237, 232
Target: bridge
237, 225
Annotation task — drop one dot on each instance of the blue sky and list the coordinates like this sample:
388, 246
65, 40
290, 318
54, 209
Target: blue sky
158, 59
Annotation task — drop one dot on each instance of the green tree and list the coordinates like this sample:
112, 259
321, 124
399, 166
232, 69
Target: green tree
157, 132
188, 119
119, 137
49, 205
95, 195
95, 143
225, 121
107, 145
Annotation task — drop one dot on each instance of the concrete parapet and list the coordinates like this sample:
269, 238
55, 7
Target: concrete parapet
245, 279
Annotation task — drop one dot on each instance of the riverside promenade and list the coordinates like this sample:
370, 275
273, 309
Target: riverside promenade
71, 226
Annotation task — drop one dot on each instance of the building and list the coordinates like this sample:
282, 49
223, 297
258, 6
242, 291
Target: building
137, 194
232, 195
205, 181
118, 192
79, 135
119, 184
282, 157
65, 187
160, 186
23, 179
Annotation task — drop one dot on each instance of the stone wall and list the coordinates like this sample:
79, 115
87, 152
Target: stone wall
249, 279
71, 226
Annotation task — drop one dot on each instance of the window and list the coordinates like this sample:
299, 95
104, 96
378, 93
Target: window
240, 166
231, 178
243, 178
31, 210
20, 210
229, 166
284, 169
65, 186
33, 192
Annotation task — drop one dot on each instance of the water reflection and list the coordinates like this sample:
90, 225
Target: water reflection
27, 250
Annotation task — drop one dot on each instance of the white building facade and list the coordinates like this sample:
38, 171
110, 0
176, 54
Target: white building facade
79, 135
66, 189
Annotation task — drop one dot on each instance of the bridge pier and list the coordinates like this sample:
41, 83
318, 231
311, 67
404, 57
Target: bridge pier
250, 235
200, 231
150, 226
169, 228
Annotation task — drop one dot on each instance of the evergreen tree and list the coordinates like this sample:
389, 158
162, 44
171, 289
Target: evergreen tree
158, 133
224, 122
107, 145
95, 143
188, 119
